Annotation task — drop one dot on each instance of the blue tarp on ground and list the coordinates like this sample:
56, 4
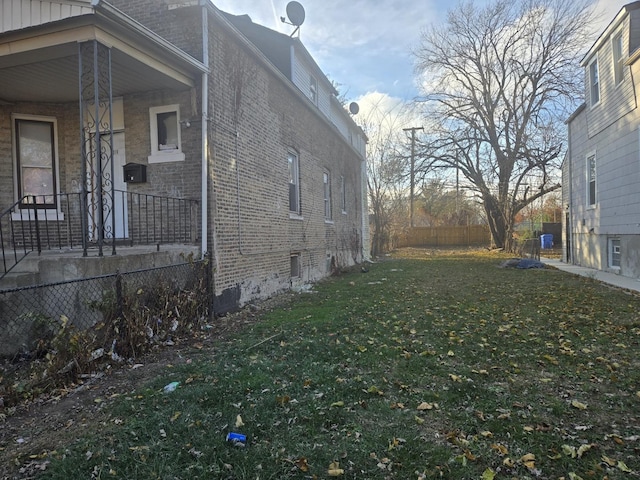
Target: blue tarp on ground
529, 263
522, 263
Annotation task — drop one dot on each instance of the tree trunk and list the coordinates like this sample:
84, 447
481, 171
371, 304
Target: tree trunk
495, 218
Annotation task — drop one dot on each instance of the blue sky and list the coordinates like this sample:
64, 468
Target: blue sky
365, 45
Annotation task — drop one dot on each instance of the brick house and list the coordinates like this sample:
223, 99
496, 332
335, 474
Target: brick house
164, 123
601, 171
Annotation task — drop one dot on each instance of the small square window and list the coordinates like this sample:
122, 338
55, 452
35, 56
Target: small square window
614, 252
166, 142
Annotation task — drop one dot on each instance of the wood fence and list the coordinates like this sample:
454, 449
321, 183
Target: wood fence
470, 235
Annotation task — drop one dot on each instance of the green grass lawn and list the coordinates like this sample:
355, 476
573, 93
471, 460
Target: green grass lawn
428, 366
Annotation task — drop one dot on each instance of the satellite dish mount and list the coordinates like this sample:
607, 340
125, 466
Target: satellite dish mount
295, 14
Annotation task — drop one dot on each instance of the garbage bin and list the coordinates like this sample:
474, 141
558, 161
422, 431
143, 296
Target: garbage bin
546, 240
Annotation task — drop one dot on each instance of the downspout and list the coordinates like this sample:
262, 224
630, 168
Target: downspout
569, 228
205, 129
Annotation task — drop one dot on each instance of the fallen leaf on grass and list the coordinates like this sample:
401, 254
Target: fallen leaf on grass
239, 422
569, 451
528, 461
501, 449
418, 420
302, 464
175, 416
427, 406
455, 378
622, 466
335, 470
470, 456
338, 404
578, 405
488, 474
584, 448
574, 476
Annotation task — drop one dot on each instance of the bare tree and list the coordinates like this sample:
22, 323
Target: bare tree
499, 81
385, 166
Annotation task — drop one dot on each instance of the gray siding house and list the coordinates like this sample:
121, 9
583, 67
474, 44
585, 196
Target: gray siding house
601, 172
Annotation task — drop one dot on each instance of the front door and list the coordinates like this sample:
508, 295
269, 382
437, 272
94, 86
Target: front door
120, 201
114, 210
113, 215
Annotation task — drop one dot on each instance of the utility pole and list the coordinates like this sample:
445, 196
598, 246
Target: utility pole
413, 152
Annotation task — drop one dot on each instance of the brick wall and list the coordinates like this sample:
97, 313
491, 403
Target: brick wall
254, 235
256, 119
181, 26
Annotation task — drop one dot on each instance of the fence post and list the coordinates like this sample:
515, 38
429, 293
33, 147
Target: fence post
37, 225
119, 296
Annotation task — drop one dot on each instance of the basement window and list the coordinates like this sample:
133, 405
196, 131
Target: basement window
295, 265
614, 253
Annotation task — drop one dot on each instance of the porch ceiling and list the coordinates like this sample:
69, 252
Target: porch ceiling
56, 79
42, 66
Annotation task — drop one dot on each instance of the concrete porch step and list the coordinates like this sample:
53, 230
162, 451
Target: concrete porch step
53, 266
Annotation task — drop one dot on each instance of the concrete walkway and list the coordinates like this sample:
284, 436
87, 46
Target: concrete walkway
604, 277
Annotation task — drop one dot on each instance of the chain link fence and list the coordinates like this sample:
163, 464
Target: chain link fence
159, 299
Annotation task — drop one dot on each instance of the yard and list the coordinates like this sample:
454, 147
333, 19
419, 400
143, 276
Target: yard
432, 364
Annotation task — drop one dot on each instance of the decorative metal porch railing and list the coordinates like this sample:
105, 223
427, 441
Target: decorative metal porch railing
141, 219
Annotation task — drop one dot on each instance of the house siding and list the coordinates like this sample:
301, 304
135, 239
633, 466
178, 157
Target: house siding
616, 101
611, 130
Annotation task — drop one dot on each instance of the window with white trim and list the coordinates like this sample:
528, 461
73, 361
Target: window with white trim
594, 83
614, 252
591, 180
294, 183
618, 65
326, 180
36, 179
166, 142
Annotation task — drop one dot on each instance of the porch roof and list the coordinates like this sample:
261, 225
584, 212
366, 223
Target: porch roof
40, 63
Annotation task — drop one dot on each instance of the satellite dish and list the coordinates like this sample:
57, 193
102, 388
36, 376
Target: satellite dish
354, 108
295, 13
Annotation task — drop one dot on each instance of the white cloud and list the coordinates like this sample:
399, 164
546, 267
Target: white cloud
362, 44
